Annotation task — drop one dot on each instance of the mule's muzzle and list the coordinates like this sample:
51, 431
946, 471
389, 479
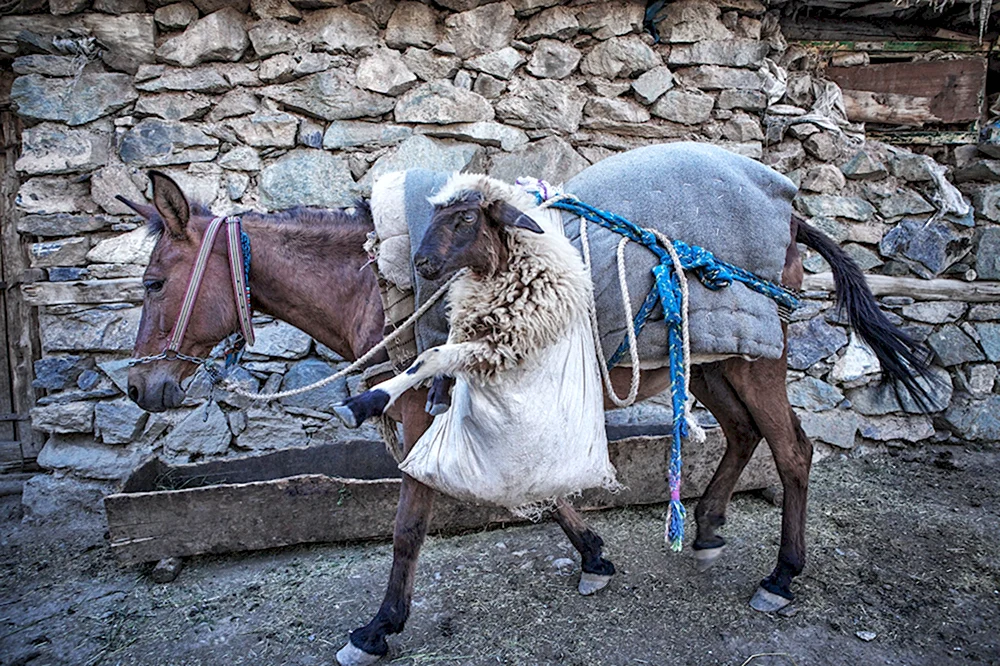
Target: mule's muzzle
429, 268
156, 394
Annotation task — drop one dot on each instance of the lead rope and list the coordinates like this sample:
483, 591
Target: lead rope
364, 359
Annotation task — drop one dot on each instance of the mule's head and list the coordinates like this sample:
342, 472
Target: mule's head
466, 231
156, 386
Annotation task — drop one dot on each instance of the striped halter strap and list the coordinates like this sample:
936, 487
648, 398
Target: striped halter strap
238, 252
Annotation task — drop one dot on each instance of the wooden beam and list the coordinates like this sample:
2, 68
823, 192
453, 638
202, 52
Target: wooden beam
916, 288
120, 290
900, 47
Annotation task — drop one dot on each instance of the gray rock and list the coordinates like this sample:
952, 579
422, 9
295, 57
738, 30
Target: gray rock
155, 142
688, 107
625, 57
88, 380
606, 88
832, 227
207, 79
241, 158
52, 194
234, 103
929, 249
742, 128
174, 106
553, 23
975, 420
749, 100
412, 24
984, 312
875, 399
500, 64
431, 66
934, 312
542, 104
270, 37
271, 429
606, 20
953, 346
119, 422
353, 133
55, 373
909, 166
553, 59
812, 341
729, 52
307, 372
481, 30
310, 134
825, 179
199, 436
852, 208
989, 339
47, 65
69, 417
985, 200
714, 77
237, 184
74, 101
823, 146
265, 128
109, 328
835, 427
307, 177
176, 16
976, 170
209, 6
483, 133
785, 156
50, 499
862, 256
618, 110
220, 36
813, 394
340, 30
652, 84
442, 103
982, 379
279, 69
903, 202
62, 224
551, 159
425, 153
988, 255
463, 80
278, 339
70, 251
691, 21
80, 455
385, 72
201, 182
133, 247
330, 95
906, 428
48, 148
276, 9
488, 86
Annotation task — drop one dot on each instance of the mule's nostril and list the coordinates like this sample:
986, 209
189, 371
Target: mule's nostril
133, 393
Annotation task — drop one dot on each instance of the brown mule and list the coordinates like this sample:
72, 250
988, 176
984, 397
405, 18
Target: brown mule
307, 270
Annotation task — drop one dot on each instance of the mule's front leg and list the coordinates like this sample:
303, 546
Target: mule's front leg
597, 571
367, 644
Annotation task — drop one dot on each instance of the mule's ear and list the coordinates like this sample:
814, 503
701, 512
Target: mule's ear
170, 203
144, 209
507, 215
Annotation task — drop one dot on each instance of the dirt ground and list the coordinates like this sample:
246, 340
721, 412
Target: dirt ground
904, 569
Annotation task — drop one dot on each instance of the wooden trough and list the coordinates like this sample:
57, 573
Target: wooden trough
347, 491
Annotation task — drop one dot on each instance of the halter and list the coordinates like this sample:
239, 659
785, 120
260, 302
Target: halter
238, 246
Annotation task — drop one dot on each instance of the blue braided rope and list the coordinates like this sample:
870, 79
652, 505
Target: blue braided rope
714, 274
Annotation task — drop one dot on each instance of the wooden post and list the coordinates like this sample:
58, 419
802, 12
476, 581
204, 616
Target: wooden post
980, 291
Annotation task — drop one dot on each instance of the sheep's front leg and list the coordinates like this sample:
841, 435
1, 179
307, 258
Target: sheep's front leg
439, 395
447, 359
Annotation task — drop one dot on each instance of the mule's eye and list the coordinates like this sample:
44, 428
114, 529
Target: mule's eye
153, 286
467, 217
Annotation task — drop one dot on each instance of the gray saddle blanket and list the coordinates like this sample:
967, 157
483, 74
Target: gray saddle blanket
736, 208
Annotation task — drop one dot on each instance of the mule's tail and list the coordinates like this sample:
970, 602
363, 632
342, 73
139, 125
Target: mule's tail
904, 360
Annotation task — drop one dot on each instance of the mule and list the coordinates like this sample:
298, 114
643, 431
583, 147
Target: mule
308, 269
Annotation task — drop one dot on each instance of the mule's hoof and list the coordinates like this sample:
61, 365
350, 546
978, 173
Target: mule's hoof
346, 416
706, 557
591, 583
354, 656
766, 601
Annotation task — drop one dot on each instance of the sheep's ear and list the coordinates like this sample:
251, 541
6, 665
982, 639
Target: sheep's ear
507, 215
170, 203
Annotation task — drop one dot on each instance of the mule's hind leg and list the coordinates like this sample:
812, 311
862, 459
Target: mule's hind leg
761, 387
597, 571
367, 644
742, 437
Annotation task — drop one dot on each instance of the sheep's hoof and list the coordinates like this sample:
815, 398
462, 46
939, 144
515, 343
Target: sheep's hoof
591, 583
704, 558
349, 655
766, 601
436, 408
347, 417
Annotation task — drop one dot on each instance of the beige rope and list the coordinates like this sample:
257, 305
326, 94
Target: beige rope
367, 356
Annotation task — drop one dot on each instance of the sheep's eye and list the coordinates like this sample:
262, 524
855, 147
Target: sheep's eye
153, 286
467, 217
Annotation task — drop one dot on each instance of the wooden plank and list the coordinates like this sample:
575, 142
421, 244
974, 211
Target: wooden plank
921, 290
925, 137
153, 524
119, 290
902, 48
913, 93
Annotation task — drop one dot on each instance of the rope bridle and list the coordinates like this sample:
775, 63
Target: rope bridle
238, 254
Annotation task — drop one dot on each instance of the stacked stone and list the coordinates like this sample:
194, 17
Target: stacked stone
269, 104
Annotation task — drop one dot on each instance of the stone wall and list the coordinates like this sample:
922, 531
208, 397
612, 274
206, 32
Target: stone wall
268, 104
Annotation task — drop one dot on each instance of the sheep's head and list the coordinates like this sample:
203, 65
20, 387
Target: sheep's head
467, 229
